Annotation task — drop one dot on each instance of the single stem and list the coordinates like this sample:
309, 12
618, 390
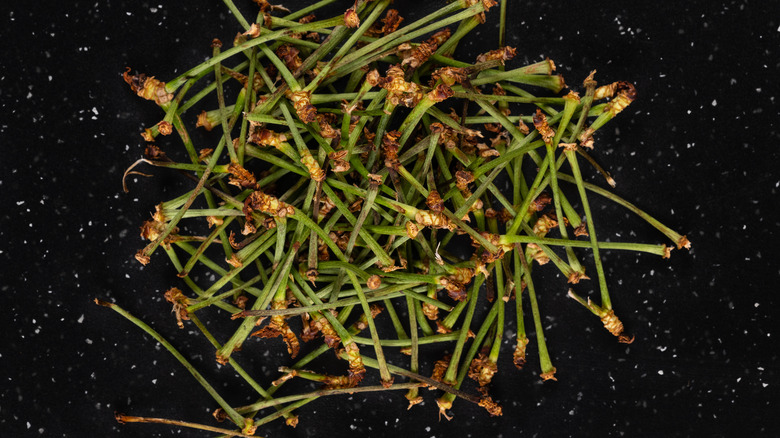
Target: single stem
502, 24
325, 392
383, 371
449, 376
568, 111
221, 101
122, 418
465, 26
605, 300
500, 300
548, 370
414, 354
660, 250
522, 337
680, 240
234, 416
405, 343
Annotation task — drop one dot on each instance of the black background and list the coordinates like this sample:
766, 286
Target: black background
698, 150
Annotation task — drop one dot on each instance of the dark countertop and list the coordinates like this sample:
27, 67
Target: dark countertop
698, 150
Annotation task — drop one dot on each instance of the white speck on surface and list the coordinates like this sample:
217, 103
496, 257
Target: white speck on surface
660, 372
714, 102
81, 319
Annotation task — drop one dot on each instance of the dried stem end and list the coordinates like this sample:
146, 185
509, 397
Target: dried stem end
491, 406
614, 326
549, 375
482, 369
519, 355
180, 302
444, 405
148, 88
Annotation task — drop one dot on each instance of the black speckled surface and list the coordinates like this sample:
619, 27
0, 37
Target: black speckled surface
698, 149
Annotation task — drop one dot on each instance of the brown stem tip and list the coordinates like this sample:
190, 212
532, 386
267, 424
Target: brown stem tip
491, 406
549, 375
444, 405
103, 303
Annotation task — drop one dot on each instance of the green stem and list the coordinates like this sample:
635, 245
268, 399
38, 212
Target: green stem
548, 370
449, 376
605, 300
234, 416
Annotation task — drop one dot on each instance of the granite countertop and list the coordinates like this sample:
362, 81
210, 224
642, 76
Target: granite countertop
698, 150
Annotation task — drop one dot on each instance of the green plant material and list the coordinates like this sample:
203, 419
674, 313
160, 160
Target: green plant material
352, 152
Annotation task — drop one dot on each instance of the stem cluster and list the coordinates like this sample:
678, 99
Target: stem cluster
355, 161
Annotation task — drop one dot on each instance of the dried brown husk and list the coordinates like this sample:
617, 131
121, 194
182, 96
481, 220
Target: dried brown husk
278, 327
265, 137
180, 302
240, 177
148, 87
422, 52
502, 54
268, 204
289, 56
399, 91
540, 123
388, 25
301, 101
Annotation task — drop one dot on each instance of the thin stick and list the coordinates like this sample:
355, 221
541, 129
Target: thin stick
122, 419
